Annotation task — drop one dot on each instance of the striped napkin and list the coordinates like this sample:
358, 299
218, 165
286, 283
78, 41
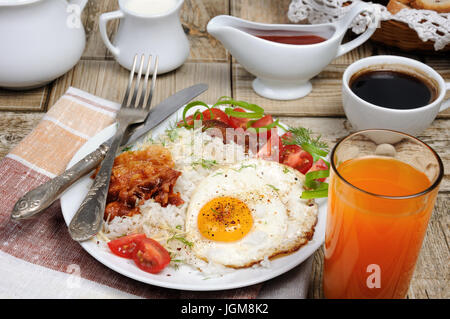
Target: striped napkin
37, 257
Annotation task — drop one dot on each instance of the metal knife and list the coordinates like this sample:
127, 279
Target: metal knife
40, 198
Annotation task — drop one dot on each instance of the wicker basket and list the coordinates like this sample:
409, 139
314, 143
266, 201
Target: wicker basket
398, 34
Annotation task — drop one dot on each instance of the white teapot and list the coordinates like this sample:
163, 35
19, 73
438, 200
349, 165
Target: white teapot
40, 40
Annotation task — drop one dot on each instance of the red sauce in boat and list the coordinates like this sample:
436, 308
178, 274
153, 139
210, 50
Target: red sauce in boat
293, 39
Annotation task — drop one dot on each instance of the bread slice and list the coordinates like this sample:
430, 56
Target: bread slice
442, 6
395, 6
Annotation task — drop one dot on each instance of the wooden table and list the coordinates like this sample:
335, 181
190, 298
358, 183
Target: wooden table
209, 62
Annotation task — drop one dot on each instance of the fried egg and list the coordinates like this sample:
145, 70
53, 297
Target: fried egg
242, 214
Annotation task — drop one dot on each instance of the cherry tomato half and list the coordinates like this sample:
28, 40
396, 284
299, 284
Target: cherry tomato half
320, 165
239, 122
294, 156
216, 113
264, 121
124, 246
150, 256
287, 137
272, 149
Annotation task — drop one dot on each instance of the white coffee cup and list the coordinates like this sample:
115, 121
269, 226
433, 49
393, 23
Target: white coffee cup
364, 115
143, 33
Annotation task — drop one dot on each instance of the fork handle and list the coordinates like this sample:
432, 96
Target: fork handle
40, 198
88, 220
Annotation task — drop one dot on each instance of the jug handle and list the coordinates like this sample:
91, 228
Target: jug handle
104, 18
348, 19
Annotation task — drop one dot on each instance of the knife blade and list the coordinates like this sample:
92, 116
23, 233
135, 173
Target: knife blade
40, 198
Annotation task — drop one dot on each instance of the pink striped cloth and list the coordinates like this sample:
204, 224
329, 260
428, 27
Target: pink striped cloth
42, 248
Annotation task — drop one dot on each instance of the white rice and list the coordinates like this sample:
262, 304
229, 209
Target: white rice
196, 155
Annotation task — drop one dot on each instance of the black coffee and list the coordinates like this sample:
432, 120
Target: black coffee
393, 89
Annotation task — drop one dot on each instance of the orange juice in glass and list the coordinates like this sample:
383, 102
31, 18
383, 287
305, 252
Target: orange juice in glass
382, 189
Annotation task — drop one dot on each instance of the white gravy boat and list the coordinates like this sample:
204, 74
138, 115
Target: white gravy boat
40, 40
283, 71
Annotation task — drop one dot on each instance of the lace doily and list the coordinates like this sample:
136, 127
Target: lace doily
429, 25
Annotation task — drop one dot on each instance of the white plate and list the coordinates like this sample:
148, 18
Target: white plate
184, 277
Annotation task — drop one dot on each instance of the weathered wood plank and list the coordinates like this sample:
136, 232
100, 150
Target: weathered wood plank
106, 79
14, 126
265, 11
324, 100
30, 100
216, 75
195, 15
95, 49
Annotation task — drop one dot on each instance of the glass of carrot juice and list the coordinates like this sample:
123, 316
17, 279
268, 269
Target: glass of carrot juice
382, 189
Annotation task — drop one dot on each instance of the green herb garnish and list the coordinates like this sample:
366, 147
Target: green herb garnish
310, 178
197, 114
273, 187
205, 163
320, 191
127, 149
172, 134
244, 166
302, 136
181, 239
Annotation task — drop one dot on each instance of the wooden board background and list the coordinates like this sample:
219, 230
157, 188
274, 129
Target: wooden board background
209, 62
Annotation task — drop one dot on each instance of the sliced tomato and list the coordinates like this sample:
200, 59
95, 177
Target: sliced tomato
262, 122
150, 256
239, 122
217, 114
124, 246
320, 165
271, 150
287, 137
294, 156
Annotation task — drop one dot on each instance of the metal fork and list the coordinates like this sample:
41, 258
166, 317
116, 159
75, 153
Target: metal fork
88, 220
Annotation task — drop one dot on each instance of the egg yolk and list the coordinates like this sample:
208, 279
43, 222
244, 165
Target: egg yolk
225, 219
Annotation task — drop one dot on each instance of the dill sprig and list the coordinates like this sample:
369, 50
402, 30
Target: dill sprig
302, 136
